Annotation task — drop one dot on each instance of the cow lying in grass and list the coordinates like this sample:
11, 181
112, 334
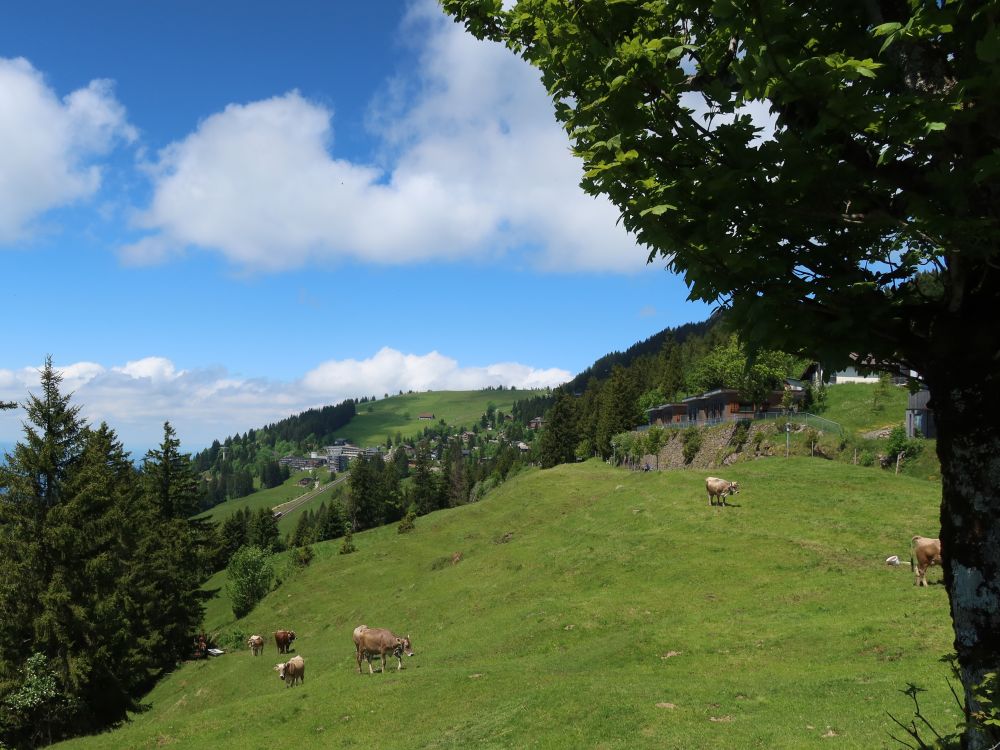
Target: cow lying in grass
720, 488
256, 644
925, 552
292, 670
369, 641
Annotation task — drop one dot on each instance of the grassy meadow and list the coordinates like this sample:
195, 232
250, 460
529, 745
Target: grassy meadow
375, 420
852, 406
597, 608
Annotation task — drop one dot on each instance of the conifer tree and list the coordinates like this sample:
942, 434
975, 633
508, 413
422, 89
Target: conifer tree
170, 477
559, 437
31, 484
425, 494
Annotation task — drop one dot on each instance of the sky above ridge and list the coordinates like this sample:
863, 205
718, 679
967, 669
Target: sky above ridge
220, 214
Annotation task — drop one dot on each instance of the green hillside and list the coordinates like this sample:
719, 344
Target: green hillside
852, 406
595, 607
274, 497
378, 419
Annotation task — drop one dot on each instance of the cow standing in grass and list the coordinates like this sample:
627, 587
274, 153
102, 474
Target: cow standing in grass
369, 641
283, 640
292, 670
720, 488
256, 644
925, 552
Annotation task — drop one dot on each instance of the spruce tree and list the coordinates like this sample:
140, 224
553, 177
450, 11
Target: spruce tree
559, 438
170, 477
31, 484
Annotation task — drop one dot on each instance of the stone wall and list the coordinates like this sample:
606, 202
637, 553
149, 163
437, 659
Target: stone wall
716, 447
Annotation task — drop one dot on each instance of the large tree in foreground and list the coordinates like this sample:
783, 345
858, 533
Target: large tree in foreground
868, 221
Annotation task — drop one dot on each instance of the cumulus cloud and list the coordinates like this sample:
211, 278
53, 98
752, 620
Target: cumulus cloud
472, 165
205, 404
49, 144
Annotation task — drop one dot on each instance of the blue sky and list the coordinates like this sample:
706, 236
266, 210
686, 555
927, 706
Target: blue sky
222, 213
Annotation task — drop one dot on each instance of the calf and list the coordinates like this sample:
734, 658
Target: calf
369, 641
283, 639
256, 645
720, 488
292, 670
927, 552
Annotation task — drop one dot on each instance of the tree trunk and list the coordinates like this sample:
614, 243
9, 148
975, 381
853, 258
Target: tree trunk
967, 410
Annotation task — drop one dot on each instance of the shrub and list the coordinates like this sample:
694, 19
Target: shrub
347, 546
692, 443
739, 437
408, 523
898, 443
866, 457
250, 575
234, 640
302, 556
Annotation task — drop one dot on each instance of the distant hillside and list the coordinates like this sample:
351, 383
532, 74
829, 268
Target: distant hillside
376, 420
772, 624
601, 369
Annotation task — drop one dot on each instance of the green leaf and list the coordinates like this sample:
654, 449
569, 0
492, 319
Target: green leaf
886, 28
658, 210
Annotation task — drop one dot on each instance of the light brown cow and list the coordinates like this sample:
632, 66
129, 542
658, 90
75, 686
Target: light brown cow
720, 488
292, 670
927, 552
283, 639
256, 644
370, 641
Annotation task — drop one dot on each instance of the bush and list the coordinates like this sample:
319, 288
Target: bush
302, 556
866, 458
692, 443
898, 443
739, 437
234, 640
347, 547
408, 523
250, 575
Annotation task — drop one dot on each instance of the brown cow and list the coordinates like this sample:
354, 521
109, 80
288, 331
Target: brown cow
283, 639
369, 641
720, 488
292, 670
256, 644
927, 552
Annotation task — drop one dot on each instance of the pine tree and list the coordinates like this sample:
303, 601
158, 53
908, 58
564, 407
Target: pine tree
559, 438
619, 408
425, 493
263, 531
31, 484
170, 477
364, 504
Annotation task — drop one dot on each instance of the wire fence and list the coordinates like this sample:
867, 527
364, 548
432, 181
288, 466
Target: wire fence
800, 417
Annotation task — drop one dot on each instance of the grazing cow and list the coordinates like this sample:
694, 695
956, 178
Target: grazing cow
369, 641
292, 670
720, 488
256, 644
927, 552
283, 639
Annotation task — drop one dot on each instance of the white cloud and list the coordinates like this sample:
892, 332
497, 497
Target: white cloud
473, 167
48, 144
204, 404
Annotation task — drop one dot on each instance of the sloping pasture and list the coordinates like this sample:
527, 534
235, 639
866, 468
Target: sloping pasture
598, 608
